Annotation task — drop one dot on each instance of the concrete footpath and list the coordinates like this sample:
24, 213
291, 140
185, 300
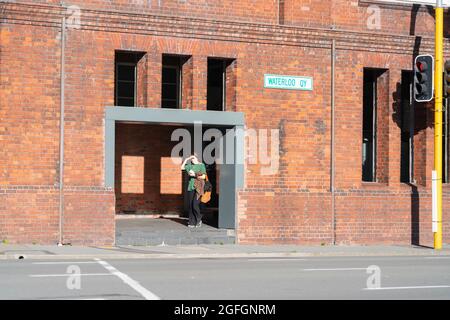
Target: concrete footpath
12, 252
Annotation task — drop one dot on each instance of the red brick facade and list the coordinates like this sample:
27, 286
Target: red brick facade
289, 37
147, 180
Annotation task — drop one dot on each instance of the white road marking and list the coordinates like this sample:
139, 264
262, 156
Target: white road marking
275, 259
407, 288
336, 269
64, 299
69, 275
148, 295
437, 257
69, 262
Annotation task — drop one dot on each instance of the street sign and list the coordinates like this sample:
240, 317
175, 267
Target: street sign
273, 81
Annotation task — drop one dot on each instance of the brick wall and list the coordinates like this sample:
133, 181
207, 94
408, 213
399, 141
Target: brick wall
383, 119
29, 215
89, 216
259, 11
292, 206
142, 81
360, 16
284, 218
29, 81
147, 181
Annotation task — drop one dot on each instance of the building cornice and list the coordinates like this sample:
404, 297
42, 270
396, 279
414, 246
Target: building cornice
220, 30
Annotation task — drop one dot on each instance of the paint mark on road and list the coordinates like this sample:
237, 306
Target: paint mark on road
336, 269
66, 262
69, 274
148, 295
274, 259
408, 288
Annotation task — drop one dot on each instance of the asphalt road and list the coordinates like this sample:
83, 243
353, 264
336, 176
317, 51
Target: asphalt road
223, 279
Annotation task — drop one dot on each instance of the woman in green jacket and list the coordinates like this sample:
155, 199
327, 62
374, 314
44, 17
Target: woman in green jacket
196, 170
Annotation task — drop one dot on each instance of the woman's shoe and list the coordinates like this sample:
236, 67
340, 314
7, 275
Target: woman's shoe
192, 225
199, 225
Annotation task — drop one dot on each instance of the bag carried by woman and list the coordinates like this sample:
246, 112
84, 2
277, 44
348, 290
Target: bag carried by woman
206, 197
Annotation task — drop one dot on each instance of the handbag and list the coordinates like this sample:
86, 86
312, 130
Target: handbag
206, 197
208, 186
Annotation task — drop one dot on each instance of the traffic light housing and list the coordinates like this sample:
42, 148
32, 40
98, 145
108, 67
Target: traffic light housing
447, 79
423, 78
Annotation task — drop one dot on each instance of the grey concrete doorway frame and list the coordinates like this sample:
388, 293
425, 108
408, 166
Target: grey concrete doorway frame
236, 120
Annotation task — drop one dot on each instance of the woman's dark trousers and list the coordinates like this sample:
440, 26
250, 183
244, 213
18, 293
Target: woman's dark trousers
194, 208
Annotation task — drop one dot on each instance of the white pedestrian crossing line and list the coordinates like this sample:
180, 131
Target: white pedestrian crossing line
336, 269
69, 275
70, 299
148, 295
408, 288
65, 262
274, 259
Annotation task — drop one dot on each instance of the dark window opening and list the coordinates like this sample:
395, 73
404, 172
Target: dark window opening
369, 126
217, 83
375, 96
407, 128
126, 77
171, 81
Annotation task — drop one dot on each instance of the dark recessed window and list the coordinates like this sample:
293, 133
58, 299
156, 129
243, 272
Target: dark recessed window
171, 81
220, 85
407, 128
373, 94
369, 150
126, 78
216, 84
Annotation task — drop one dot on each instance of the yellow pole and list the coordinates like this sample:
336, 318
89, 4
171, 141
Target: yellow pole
438, 81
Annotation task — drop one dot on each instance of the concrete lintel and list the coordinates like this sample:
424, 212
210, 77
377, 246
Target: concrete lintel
178, 116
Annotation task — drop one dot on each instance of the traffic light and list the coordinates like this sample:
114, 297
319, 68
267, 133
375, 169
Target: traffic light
423, 78
447, 79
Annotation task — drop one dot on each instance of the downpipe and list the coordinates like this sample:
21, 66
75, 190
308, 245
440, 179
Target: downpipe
332, 153
61, 134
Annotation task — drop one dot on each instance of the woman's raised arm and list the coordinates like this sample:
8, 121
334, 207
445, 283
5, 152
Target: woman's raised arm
183, 165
